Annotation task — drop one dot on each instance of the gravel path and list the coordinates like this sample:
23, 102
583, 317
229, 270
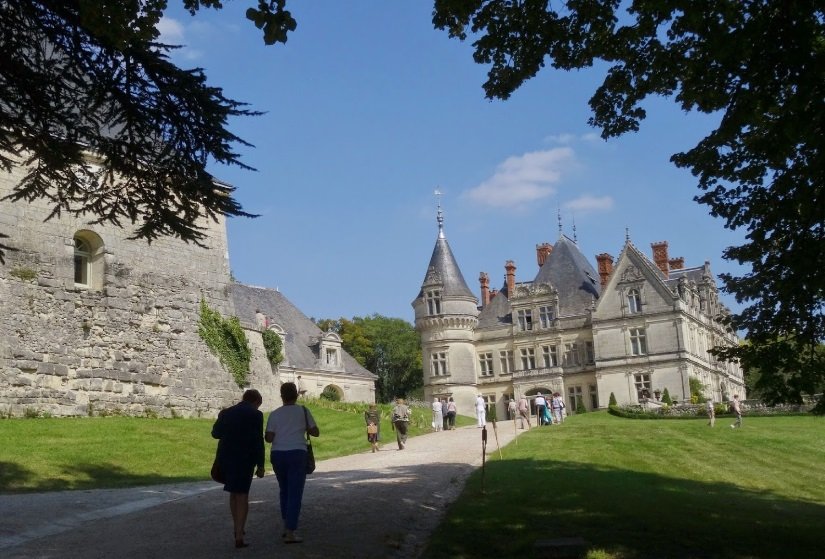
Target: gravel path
365, 506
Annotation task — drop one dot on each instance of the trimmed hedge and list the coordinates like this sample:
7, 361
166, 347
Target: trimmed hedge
699, 412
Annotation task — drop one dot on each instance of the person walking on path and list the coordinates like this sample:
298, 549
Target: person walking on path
400, 422
481, 411
240, 453
737, 409
557, 407
541, 405
524, 412
452, 410
286, 429
372, 417
512, 410
711, 412
438, 418
444, 414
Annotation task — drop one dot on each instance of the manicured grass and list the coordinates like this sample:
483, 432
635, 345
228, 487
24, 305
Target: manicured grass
89, 453
637, 489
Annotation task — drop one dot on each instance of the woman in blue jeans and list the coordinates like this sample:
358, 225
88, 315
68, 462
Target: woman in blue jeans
286, 429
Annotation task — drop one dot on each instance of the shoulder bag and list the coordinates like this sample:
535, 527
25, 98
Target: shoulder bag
310, 453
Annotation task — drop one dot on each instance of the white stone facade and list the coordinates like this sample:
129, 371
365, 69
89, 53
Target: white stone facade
631, 330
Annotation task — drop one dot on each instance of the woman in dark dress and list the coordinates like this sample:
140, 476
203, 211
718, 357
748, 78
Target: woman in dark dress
240, 453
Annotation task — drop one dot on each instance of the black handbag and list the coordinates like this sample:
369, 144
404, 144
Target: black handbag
310, 453
217, 473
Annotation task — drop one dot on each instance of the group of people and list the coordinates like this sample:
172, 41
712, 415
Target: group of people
549, 410
241, 450
444, 412
735, 407
400, 422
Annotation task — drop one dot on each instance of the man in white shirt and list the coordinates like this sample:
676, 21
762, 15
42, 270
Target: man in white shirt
541, 404
524, 412
481, 411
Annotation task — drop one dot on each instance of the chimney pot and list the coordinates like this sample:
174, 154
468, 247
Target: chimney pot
510, 267
660, 257
542, 252
484, 280
605, 262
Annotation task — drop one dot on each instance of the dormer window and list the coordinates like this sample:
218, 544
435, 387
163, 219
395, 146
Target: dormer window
433, 301
332, 357
634, 301
525, 320
546, 316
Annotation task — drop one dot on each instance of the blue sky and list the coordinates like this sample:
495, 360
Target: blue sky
369, 110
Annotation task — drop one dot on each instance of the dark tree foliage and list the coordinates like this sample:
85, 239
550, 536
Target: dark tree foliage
105, 125
759, 65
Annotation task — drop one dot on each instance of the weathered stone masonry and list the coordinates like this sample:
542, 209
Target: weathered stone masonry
129, 342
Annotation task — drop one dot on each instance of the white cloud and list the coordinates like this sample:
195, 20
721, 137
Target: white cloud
523, 179
564, 139
588, 203
591, 137
173, 32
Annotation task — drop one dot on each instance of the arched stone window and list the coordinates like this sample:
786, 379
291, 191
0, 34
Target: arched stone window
88, 260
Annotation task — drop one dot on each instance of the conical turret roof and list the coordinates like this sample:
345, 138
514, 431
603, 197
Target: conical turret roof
444, 269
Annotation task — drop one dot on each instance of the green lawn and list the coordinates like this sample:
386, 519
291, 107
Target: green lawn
636, 489
89, 453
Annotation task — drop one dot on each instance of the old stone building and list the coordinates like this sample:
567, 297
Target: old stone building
632, 328
92, 322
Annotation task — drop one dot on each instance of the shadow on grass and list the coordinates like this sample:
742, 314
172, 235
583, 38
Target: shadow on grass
630, 514
15, 478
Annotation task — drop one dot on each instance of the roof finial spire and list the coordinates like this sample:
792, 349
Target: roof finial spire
559, 216
575, 239
627, 234
440, 217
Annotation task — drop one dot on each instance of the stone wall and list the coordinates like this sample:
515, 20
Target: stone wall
128, 343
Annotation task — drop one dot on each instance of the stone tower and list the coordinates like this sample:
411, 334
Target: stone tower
446, 314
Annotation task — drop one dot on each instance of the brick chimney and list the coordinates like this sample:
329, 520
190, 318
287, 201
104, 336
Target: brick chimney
485, 289
605, 267
677, 263
542, 252
660, 257
510, 267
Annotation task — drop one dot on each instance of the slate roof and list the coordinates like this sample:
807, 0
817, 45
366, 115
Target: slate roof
302, 335
497, 312
445, 265
567, 270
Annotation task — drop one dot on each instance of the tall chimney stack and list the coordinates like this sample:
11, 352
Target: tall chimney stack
542, 252
660, 257
677, 263
510, 267
485, 289
605, 262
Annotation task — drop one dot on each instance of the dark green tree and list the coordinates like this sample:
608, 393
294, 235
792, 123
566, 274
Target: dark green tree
666, 399
580, 407
388, 347
762, 169
612, 402
105, 125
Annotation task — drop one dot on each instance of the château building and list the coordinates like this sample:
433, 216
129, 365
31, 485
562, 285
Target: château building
630, 327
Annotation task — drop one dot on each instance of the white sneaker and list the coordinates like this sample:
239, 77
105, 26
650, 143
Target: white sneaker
733, 426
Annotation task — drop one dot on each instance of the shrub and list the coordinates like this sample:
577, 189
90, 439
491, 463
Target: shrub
273, 346
666, 399
612, 401
697, 391
330, 394
580, 407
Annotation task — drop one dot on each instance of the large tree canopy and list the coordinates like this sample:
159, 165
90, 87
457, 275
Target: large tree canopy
105, 125
389, 347
759, 65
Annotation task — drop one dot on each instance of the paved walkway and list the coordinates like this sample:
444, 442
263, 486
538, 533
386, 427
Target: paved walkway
365, 506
